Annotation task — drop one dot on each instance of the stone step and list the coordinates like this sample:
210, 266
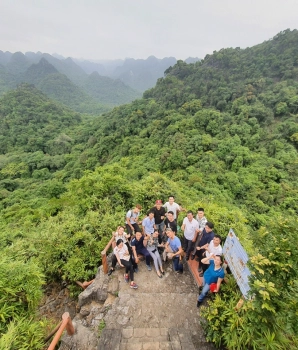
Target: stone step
151, 339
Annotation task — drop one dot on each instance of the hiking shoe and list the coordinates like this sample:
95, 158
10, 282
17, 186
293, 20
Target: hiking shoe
133, 285
126, 278
201, 274
110, 272
149, 267
200, 269
179, 272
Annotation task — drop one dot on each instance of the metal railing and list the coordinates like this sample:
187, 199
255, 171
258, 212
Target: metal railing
66, 323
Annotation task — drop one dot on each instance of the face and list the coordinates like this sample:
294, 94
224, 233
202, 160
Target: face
189, 216
208, 229
138, 236
216, 241
170, 217
217, 261
120, 245
136, 210
151, 215
120, 231
170, 234
155, 234
171, 200
200, 214
158, 206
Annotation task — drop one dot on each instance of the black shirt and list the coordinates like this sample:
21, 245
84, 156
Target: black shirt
172, 225
158, 213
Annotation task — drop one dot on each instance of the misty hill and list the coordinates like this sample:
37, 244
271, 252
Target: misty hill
64, 81
108, 90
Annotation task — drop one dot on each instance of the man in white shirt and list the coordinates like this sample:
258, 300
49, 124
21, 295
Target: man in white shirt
214, 248
171, 205
202, 220
190, 227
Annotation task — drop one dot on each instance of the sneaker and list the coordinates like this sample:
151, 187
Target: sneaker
179, 272
201, 274
187, 257
110, 272
200, 269
133, 285
192, 256
149, 267
136, 269
126, 278
199, 303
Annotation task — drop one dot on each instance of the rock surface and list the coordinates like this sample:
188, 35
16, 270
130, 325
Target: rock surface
160, 314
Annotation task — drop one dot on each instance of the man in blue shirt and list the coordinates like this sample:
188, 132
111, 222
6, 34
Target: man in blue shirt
138, 246
174, 250
148, 224
214, 274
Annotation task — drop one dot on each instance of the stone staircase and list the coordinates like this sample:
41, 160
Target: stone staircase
151, 339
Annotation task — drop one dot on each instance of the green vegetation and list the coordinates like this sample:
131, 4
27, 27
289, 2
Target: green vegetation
221, 133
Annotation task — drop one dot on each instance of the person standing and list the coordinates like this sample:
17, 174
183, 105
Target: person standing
148, 224
190, 227
172, 206
159, 215
173, 250
214, 274
202, 220
206, 238
132, 217
170, 222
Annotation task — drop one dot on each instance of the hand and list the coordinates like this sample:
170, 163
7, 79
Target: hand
137, 260
121, 265
198, 248
170, 255
194, 240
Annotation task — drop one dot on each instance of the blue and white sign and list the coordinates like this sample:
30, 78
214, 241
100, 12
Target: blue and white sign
236, 257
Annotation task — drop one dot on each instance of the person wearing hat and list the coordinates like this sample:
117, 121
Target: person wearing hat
159, 214
214, 274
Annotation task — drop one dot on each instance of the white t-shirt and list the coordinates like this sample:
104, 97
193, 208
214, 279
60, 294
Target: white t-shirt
121, 252
123, 237
215, 250
174, 207
190, 228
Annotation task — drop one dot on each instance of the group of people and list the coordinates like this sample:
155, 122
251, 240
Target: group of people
156, 234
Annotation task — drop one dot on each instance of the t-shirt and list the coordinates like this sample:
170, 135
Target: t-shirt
171, 224
121, 252
138, 244
174, 207
211, 275
190, 228
202, 222
123, 237
175, 244
215, 250
148, 225
158, 213
206, 238
133, 217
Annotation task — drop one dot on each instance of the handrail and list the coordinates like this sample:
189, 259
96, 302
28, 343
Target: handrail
66, 323
104, 256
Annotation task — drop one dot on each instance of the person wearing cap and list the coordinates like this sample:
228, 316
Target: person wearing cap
159, 215
214, 274
173, 250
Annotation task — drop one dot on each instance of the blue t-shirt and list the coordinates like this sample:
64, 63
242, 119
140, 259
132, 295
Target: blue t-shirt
175, 244
148, 225
138, 244
211, 275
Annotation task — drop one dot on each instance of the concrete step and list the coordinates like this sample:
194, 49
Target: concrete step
151, 339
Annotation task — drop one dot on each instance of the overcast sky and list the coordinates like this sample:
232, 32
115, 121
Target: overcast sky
109, 29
